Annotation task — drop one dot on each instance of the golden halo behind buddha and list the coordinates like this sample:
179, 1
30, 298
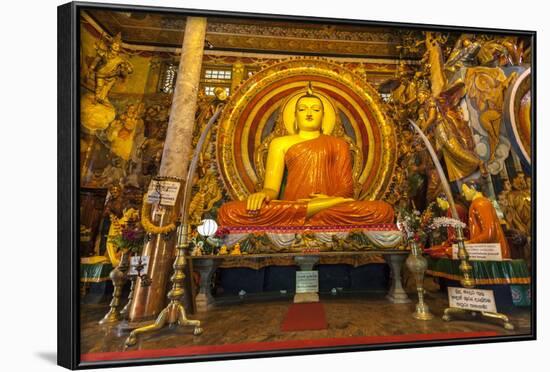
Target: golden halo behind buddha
263, 108
289, 112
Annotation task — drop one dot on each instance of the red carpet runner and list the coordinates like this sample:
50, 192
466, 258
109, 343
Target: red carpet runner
277, 345
304, 317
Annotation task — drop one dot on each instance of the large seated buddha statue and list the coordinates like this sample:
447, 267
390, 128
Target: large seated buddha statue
308, 178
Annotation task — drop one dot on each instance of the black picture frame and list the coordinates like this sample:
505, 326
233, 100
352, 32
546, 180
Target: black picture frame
68, 93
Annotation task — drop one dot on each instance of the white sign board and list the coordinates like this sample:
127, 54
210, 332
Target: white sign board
136, 261
164, 192
307, 281
481, 252
472, 299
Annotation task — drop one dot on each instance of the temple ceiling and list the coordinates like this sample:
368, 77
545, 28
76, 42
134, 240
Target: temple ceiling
255, 35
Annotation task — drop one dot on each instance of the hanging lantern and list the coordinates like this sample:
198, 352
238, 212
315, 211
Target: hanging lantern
207, 228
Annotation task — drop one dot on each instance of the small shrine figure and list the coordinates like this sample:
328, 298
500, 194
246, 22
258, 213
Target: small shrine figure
483, 221
223, 250
236, 250
114, 206
197, 249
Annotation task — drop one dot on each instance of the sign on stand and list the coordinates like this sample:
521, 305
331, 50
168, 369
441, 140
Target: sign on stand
307, 281
481, 252
472, 299
163, 192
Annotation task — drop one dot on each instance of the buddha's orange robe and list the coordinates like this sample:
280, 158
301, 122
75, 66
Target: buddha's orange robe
318, 166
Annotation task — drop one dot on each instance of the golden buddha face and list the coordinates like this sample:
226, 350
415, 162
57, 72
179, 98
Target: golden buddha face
309, 113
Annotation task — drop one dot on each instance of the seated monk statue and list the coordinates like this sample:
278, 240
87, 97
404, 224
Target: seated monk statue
318, 190
483, 223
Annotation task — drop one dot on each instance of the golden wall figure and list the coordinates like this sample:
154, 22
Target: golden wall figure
319, 185
107, 67
123, 130
463, 54
209, 193
518, 205
485, 87
450, 132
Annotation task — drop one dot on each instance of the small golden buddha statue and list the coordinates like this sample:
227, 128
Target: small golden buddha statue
236, 250
308, 176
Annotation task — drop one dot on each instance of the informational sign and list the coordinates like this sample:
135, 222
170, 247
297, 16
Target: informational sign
481, 252
138, 265
307, 281
472, 299
163, 192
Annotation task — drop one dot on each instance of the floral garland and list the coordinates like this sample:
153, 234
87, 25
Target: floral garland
148, 225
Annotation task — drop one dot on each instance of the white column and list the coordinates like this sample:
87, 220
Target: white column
177, 147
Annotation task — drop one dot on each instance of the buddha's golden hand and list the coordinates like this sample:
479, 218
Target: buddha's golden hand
255, 201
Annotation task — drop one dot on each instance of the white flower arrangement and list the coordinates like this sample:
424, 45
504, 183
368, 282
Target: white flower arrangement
438, 222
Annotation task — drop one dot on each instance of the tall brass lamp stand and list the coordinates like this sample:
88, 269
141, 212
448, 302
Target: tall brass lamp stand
174, 312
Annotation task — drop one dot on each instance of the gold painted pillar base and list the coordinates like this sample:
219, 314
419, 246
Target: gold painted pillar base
174, 313
451, 313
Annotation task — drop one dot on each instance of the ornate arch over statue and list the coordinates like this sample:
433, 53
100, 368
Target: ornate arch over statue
263, 107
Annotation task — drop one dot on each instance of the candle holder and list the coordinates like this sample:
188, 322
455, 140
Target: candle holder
118, 277
417, 264
465, 268
174, 312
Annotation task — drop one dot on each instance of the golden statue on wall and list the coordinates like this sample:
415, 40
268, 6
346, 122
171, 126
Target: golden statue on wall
441, 114
107, 67
308, 176
486, 87
123, 130
441, 120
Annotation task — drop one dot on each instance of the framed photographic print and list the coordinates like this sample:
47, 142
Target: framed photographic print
249, 185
